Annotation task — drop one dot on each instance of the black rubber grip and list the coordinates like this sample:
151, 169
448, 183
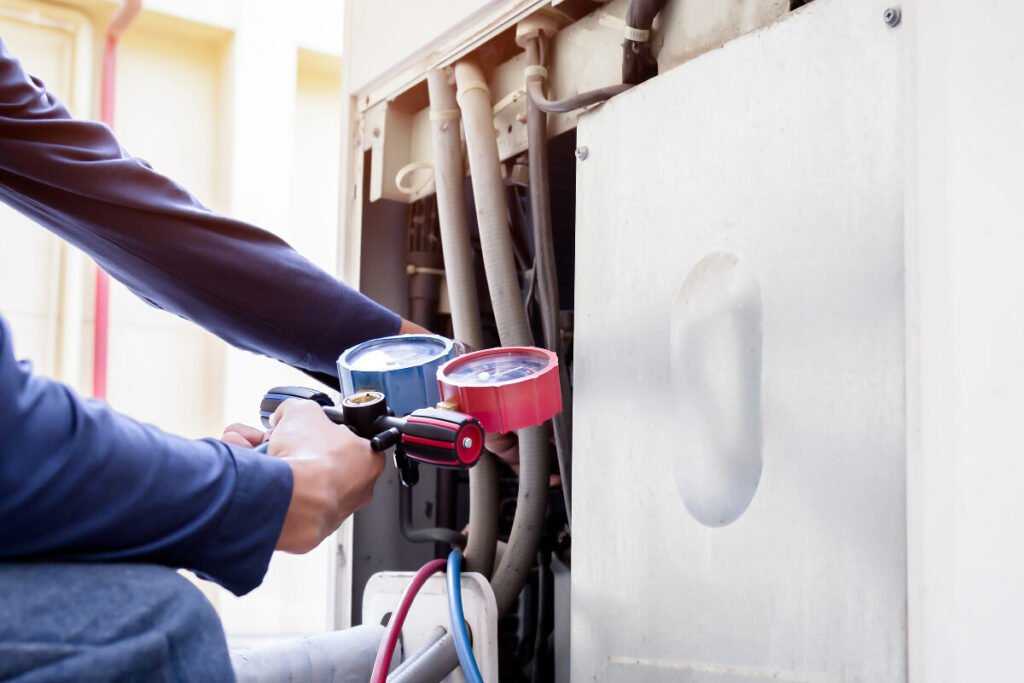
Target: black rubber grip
278, 395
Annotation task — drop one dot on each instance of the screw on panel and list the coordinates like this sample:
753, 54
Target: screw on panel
582, 153
892, 16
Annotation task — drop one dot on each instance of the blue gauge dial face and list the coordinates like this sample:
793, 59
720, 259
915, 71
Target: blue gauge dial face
395, 354
497, 369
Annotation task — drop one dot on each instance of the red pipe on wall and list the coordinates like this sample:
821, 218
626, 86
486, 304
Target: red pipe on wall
108, 88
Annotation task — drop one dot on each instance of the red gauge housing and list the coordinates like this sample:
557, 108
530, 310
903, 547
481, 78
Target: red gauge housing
505, 388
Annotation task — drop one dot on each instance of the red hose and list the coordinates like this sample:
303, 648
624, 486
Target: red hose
382, 664
108, 87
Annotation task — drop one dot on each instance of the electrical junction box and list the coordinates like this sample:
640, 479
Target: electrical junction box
430, 608
740, 230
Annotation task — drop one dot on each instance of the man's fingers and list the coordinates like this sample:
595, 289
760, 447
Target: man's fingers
505, 447
236, 439
295, 406
243, 435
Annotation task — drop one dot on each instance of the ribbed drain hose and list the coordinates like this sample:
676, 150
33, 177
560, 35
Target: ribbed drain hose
474, 100
462, 296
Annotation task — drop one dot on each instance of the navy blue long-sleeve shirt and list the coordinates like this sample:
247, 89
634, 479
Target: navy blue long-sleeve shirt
78, 480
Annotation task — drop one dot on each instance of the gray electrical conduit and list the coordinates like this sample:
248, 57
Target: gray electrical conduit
474, 100
433, 665
433, 637
462, 296
547, 275
564, 106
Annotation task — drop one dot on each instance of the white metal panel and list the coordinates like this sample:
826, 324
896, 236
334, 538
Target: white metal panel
384, 33
783, 150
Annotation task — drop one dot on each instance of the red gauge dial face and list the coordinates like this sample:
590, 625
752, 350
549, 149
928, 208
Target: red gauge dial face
505, 388
497, 368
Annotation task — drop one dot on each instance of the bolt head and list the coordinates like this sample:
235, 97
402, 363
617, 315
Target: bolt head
892, 16
582, 153
467, 443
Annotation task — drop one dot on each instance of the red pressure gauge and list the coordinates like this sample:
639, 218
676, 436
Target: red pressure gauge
505, 388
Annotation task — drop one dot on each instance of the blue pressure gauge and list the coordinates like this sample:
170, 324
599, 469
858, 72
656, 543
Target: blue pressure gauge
403, 368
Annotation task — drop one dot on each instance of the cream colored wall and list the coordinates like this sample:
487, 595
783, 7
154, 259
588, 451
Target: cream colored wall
41, 279
240, 102
163, 369
296, 589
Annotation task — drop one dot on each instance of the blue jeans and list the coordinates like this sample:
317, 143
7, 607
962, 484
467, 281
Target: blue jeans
107, 622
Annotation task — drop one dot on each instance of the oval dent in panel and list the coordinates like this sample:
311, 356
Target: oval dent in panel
715, 358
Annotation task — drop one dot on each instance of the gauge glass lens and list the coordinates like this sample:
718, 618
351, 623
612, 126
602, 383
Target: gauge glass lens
395, 354
497, 368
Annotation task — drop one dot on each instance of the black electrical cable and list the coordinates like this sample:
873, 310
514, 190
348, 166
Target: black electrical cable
428, 535
638, 62
546, 272
544, 595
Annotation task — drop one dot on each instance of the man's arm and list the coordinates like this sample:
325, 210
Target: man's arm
79, 481
238, 281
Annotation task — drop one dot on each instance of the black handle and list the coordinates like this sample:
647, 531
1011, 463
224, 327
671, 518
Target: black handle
443, 438
278, 395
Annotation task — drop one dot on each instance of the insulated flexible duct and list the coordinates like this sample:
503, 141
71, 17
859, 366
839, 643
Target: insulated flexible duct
335, 657
547, 275
474, 99
462, 297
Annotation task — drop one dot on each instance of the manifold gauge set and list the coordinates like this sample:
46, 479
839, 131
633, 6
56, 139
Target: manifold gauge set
418, 394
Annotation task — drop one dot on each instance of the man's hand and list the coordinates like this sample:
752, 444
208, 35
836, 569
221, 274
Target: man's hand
243, 435
506, 448
409, 327
333, 470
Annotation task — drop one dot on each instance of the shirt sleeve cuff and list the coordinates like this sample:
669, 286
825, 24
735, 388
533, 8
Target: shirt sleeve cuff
238, 553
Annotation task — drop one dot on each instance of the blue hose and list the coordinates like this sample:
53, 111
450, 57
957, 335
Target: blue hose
458, 618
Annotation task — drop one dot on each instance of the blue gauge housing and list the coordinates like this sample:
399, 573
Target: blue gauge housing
403, 368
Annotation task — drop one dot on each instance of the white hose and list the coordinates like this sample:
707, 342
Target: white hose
474, 99
460, 274
451, 211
